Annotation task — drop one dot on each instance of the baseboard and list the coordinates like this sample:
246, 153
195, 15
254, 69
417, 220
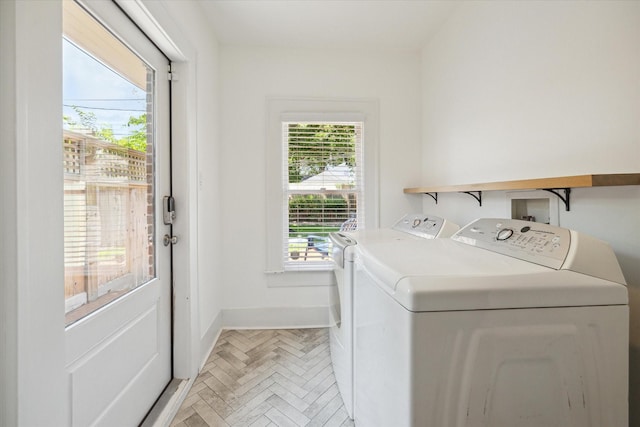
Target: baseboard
209, 339
276, 317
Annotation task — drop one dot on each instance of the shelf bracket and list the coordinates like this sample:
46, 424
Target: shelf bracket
478, 196
434, 196
567, 195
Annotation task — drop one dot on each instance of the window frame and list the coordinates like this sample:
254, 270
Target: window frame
281, 110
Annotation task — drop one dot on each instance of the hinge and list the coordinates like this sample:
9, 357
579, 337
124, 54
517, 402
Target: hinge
171, 75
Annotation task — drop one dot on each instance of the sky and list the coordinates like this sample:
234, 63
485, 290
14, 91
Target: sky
94, 88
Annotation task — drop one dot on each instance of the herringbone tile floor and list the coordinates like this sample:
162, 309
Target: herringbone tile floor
277, 377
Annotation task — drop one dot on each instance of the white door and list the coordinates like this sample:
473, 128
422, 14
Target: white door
116, 172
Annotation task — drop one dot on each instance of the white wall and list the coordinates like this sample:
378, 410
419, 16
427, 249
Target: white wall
33, 380
249, 76
537, 89
521, 89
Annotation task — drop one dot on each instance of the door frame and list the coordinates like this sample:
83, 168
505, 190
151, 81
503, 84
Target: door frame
154, 20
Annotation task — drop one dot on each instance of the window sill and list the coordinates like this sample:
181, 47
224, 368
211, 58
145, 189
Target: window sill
301, 278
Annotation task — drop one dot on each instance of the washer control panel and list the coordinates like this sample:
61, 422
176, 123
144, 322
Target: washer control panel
421, 225
530, 241
339, 242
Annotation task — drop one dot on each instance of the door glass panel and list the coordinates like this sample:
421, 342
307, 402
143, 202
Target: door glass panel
108, 166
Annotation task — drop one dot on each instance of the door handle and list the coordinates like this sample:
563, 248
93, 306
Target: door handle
169, 240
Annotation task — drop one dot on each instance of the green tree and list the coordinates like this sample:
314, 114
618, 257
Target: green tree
88, 121
315, 146
138, 138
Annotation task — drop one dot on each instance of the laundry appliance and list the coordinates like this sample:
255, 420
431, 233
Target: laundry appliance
508, 323
410, 227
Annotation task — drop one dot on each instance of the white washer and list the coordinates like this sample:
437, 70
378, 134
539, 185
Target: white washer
508, 323
409, 227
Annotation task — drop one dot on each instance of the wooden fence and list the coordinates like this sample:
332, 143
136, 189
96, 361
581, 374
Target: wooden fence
108, 218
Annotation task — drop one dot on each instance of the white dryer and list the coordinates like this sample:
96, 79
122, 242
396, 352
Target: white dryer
409, 227
508, 323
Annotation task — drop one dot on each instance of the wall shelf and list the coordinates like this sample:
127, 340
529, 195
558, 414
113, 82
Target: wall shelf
553, 185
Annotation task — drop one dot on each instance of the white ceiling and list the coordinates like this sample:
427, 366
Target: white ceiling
356, 24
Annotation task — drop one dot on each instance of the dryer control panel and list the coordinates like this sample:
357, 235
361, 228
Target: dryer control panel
422, 225
530, 241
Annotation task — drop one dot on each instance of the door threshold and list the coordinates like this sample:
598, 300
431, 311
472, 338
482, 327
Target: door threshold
168, 404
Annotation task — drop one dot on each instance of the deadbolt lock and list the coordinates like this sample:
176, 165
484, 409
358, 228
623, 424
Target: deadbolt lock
168, 210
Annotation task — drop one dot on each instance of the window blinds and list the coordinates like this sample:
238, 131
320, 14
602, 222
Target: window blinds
323, 188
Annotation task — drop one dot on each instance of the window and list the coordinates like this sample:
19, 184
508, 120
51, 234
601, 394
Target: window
323, 188
108, 143
321, 164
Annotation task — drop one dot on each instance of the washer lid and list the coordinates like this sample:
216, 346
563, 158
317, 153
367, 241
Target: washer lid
561, 288
343, 240
445, 275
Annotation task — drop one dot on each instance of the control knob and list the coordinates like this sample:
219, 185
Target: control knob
504, 234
